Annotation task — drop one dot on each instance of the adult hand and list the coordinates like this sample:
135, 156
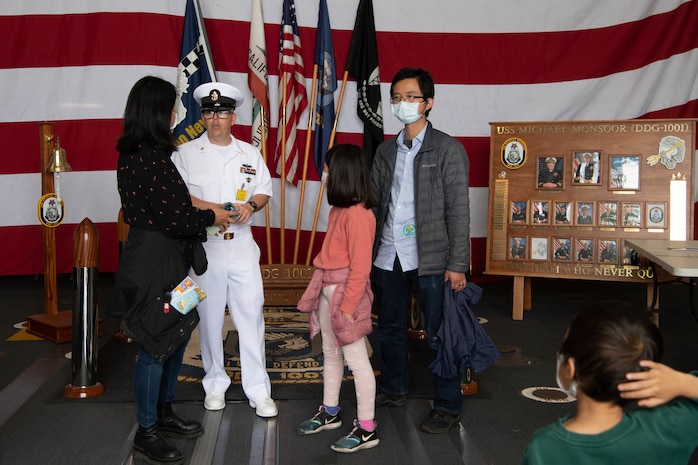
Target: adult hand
243, 211
223, 219
458, 280
349, 317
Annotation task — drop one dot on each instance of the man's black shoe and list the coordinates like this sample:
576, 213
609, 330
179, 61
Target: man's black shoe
173, 426
385, 400
440, 422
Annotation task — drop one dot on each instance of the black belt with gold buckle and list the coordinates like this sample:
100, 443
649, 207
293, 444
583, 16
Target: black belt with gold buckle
229, 235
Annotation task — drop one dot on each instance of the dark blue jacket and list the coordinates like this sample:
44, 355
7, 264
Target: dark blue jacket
464, 342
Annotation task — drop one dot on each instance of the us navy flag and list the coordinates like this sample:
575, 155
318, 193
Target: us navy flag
326, 86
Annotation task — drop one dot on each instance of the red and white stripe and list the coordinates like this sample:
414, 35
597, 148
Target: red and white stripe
293, 99
530, 60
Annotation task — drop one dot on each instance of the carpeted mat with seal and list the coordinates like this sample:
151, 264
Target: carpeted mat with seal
294, 364
292, 357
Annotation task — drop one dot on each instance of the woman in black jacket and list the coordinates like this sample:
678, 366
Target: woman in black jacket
164, 242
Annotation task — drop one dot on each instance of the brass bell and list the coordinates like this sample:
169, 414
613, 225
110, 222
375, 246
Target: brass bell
57, 162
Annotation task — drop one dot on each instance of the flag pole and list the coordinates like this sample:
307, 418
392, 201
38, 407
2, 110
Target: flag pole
204, 36
264, 157
305, 163
318, 203
258, 82
284, 100
339, 109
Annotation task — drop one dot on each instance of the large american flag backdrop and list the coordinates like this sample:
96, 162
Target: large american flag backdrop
73, 63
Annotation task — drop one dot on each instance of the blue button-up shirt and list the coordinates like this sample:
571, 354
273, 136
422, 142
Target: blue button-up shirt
399, 235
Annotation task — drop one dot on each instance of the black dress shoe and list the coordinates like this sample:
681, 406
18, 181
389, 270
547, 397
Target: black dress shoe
440, 422
149, 445
172, 425
385, 400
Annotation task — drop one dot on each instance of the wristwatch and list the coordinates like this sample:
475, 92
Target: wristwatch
254, 205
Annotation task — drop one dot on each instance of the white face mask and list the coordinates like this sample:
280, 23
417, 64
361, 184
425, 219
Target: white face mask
571, 390
174, 120
324, 177
407, 113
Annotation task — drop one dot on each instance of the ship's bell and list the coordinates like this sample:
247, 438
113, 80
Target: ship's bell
57, 162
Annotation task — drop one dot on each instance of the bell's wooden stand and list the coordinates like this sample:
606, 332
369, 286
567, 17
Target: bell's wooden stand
662, 152
51, 325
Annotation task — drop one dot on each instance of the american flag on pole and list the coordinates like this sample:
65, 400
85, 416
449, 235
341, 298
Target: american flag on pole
291, 75
326, 86
257, 77
195, 68
521, 61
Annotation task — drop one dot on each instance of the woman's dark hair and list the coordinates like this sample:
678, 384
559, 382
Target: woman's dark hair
424, 79
606, 341
147, 116
348, 182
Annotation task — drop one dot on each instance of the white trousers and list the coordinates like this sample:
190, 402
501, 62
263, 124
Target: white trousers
234, 278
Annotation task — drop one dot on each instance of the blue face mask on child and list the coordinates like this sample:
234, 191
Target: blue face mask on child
407, 113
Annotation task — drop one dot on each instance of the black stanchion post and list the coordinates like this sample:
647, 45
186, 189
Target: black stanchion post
85, 275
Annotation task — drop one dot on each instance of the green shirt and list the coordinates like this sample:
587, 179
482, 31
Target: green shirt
665, 435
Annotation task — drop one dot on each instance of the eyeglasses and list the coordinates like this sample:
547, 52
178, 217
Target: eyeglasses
407, 98
222, 114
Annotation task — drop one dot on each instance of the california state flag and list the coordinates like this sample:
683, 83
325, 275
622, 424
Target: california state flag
257, 77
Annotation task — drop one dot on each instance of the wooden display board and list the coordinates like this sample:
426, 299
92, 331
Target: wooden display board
565, 195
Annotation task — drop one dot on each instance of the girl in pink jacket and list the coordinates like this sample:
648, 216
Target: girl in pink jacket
339, 298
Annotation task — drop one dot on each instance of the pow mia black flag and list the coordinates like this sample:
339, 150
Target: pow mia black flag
362, 63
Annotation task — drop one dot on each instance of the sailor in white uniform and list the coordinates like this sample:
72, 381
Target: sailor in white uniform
218, 168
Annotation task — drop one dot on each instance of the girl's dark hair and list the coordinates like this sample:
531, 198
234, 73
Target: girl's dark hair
424, 79
348, 182
147, 116
608, 340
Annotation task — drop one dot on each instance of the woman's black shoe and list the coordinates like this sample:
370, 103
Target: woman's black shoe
149, 445
172, 425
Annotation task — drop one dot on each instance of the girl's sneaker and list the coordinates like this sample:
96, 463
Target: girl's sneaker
322, 420
357, 439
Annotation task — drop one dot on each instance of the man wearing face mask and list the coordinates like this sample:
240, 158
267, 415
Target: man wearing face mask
420, 179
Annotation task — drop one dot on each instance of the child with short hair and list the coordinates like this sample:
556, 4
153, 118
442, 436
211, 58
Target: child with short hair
601, 363
339, 298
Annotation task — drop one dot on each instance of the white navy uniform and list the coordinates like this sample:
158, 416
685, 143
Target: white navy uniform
217, 174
